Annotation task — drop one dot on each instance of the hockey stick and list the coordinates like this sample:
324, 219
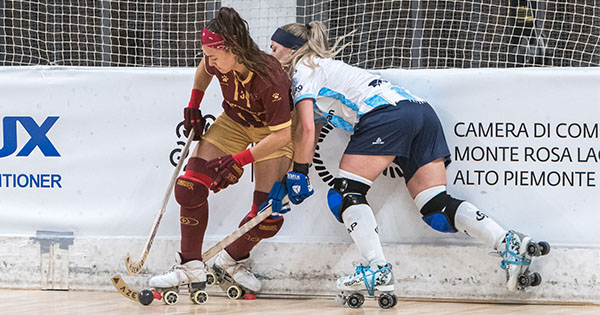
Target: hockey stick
135, 267
260, 216
124, 289
147, 297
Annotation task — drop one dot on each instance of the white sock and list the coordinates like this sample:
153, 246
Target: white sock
360, 179
477, 224
360, 223
423, 197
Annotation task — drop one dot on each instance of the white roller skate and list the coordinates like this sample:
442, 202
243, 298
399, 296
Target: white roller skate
517, 251
368, 280
233, 277
191, 274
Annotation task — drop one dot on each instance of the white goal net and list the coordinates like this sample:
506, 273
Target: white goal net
387, 33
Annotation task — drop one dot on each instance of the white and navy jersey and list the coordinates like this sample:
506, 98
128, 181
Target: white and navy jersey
343, 93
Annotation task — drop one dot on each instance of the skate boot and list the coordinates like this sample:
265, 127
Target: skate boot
368, 280
517, 251
191, 274
233, 277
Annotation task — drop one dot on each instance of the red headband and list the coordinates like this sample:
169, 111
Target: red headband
212, 39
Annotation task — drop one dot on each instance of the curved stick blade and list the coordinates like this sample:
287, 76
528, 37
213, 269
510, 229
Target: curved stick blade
124, 289
133, 268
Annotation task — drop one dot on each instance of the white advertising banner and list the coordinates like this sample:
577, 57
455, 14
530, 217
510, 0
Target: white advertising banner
91, 151
524, 144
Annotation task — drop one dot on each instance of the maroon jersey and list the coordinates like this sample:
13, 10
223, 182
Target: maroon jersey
256, 101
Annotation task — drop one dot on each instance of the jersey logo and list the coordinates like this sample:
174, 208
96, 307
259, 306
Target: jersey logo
276, 97
376, 82
296, 88
224, 80
378, 141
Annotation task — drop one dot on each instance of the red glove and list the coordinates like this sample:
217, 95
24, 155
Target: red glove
229, 169
192, 116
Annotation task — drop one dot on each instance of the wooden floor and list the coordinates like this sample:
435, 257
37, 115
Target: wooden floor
31, 302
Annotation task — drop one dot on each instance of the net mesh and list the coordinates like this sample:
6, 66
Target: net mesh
428, 34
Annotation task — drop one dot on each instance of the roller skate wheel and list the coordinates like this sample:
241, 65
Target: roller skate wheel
199, 297
537, 279
249, 296
170, 297
385, 301
211, 279
545, 247
234, 292
395, 300
355, 300
340, 299
523, 281
146, 297
533, 249
528, 280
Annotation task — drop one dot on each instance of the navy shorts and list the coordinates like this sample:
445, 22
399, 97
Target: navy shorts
409, 130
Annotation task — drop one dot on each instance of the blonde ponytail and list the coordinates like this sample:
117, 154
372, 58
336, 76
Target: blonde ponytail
317, 44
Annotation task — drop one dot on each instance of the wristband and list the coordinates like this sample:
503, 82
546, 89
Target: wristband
301, 168
244, 157
196, 98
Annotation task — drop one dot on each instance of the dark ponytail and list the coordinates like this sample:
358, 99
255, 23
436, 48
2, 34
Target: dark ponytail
235, 32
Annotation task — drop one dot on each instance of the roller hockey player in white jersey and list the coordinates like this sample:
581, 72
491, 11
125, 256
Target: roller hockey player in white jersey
388, 124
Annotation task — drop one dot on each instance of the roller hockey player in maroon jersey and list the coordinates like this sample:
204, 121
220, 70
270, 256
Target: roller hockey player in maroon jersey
257, 109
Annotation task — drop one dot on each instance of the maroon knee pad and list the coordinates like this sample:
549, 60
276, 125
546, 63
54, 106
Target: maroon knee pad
191, 189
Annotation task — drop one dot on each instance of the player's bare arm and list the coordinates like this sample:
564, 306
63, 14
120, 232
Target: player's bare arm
304, 139
202, 77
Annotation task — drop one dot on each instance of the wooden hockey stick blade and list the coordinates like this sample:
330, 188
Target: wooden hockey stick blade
215, 249
124, 289
136, 267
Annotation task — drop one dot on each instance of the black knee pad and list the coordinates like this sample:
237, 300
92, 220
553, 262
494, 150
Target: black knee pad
345, 193
439, 212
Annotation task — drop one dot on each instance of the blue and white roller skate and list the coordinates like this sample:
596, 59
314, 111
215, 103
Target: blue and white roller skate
517, 251
368, 280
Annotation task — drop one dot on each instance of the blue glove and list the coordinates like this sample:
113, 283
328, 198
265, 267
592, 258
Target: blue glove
277, 199
298, 185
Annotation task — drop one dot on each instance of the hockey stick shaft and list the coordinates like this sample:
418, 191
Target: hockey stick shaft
215, 249
136, 267
262, 214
